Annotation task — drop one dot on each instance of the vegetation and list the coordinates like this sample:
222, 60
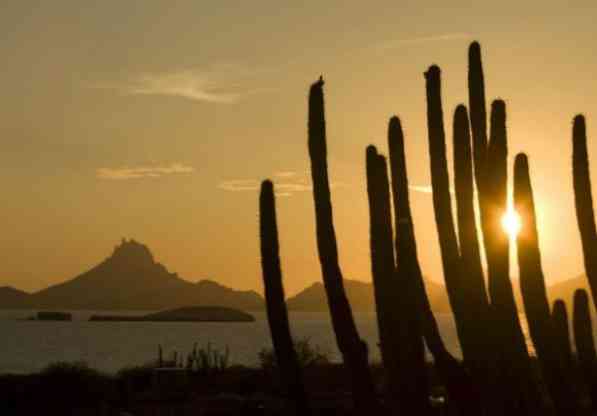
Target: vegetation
277, 314
307, 355
498, 375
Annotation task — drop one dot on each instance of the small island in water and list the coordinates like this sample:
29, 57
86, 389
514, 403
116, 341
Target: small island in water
186, 314
51, 316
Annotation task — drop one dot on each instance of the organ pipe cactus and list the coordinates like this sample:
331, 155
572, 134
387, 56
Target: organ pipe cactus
400, 335
478, 122
583, 198
532, 284
585, 344
560, 322
277, 314
444, 220
407, 262
352, 347
461, 392
473, 283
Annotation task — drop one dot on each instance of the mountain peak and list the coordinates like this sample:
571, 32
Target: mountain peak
132, 252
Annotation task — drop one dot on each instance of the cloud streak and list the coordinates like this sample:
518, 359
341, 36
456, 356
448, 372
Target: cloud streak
141, 172
190, 84
287, 183
424, 189
216, 84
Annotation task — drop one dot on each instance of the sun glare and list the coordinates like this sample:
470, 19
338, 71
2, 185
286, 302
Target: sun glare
511, 223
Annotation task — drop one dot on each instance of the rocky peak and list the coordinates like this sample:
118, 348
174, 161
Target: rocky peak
132, 252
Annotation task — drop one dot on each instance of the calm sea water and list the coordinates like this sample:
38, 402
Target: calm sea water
27, 346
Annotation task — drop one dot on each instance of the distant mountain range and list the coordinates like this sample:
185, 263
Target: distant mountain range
360, 295
130, 279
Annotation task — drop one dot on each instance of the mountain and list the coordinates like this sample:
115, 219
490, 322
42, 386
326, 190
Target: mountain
11, 298
131, 279
360, 296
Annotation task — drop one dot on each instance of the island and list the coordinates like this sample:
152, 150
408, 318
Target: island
185, 314
51, 316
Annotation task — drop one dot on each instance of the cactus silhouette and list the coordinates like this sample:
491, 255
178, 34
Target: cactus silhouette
584, 201
407, 262
352, 347
444, 220
473, 284
277, 314
585, 344
400, 334
532, 284
559, 316
457, 381
513, 359
478, 122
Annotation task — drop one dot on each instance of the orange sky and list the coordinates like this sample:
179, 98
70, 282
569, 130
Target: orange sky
156, 121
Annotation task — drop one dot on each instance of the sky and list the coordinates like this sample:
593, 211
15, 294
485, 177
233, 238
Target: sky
157, 120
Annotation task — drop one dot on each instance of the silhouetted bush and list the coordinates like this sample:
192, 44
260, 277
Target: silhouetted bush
307, 354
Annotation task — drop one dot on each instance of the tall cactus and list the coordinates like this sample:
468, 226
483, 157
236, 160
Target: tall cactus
460, 388
444, 220
513, 358
559, 317
532, 284
478, 121
585, 344
407, 261
400, 335
277, 314
473, 283
584, 202
352, 347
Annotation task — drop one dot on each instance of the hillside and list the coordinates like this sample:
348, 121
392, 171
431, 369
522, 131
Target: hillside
360, 295
11, 298
131, 279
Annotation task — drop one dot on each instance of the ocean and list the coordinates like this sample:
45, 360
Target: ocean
28, 346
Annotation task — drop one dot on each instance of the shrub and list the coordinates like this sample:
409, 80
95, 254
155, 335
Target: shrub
307, 354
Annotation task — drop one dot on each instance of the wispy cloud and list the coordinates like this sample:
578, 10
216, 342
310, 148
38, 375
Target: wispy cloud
140, 172
422, 39
217, 84
239, 185
286, 183
285, 174
191, 84
424, 189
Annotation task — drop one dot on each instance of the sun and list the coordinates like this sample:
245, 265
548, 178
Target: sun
511, 223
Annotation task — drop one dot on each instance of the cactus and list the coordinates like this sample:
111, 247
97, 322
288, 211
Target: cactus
352, 347
400, 334
583, 198
407, 261
498, 246
460, 387
478, 121
440, 184
277, 314
585, 344
559, 318
474, 292
532, 284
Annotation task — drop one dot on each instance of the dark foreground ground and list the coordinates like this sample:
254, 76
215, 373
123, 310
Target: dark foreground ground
77, 390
